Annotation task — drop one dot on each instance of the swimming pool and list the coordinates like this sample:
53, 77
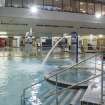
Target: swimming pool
16, 73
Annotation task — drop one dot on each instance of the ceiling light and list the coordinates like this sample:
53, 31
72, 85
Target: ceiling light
103, 13
17, 37
65, 34
84, 11
81, 3
2, 36
98, 15
3, 33
91, 36
34, 9
100, 36
81, 9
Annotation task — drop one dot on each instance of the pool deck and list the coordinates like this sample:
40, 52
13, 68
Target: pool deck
93, 93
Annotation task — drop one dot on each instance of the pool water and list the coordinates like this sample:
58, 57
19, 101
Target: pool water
16, 73
75, 75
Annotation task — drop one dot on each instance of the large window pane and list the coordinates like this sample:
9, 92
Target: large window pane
98, 8
38, 3
48, 4
30, 3
75, 6
91, 8
25, 3
66, 5
8, 3
2, 3
58, 4
83, 6
17, 3
103, 9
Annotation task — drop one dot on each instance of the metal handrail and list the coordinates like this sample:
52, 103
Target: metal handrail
57, 73
76, 84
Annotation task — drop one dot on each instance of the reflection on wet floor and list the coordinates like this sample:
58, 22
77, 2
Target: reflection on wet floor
40, 53
34, 52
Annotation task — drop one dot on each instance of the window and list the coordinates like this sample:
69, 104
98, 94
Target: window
58, 4
103, 9
67, 5
98, 8
25, 3
2, 3
91, 8
38, 3
83, 6
17, 3
48, 4
8, 3
75, 6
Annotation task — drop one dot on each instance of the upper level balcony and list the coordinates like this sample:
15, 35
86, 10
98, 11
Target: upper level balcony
75, 6
66, 15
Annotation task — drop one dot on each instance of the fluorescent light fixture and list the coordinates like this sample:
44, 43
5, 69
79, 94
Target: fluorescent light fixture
65, 34
81, 9
91, 36
2, 36
100, 36
34, 9
81, 3
84, 11
98, 15
103, 13
3, 33
17, 36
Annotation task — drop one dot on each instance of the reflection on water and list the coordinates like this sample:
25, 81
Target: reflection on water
34, 98
74, 76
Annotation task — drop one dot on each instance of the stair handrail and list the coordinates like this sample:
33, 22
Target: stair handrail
61, 71
76, 84
57, 73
